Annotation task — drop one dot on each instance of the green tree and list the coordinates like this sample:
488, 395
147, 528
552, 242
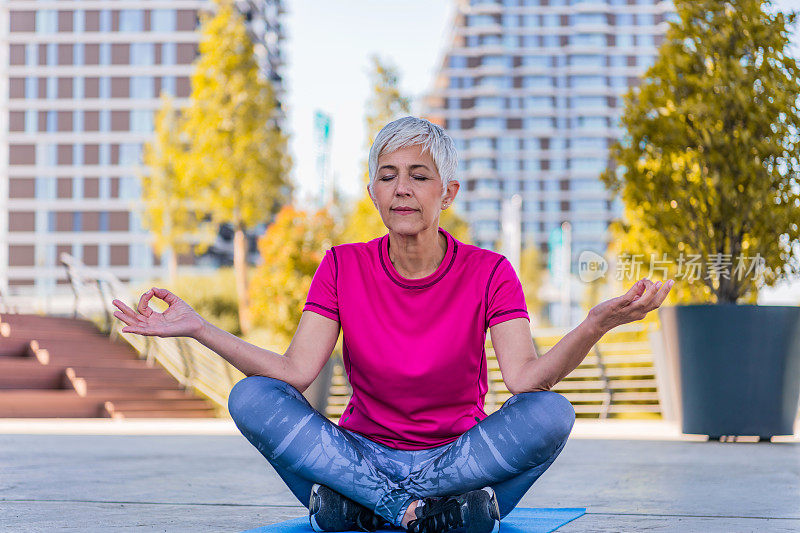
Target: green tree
291, 250
709, 165
531, 275
167, 194
239, 159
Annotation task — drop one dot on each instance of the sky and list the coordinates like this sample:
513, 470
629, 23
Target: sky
328, 48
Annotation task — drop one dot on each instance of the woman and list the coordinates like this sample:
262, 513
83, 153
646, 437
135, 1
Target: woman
414, 448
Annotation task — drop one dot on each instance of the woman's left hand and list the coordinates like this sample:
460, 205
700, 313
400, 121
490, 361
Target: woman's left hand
642, 298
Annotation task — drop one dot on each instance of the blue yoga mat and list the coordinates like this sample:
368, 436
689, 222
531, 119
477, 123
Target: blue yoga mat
519, 520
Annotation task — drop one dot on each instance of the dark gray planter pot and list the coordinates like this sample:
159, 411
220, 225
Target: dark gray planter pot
737, 367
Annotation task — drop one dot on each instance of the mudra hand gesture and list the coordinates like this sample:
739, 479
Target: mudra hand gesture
642, 298
178, 320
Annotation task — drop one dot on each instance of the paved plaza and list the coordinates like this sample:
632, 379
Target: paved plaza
103, 475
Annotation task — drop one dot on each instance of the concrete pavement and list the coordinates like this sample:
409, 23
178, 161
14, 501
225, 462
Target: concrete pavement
203, 476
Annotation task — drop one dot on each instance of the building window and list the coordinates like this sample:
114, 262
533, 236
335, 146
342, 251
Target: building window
130, 153
584, 82
104, 191
142, 54
105, 53
589, 164
550, 41
104, 87
46, 21
583, 102
46, 190
31, 116
78, 21
645, 61
141, 87
587, 18
586, 60
489, 123
587, 39
77, 121
51, 123
624, 19
168, 55
103, 222
535, 82
52, 88
31, 54
141, 122
168, 85
537, 123
624, 40
77, 187
51, 54
551, 20
162, 20
129, 189
131, 20
77, 87
618, 61
592, 122
104, 155
105, 20
104, 121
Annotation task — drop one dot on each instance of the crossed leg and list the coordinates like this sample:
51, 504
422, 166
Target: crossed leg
508, 450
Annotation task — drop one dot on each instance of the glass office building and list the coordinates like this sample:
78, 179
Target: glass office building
531, 92
80, 87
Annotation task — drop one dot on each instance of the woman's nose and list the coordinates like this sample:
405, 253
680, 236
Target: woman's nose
403, 186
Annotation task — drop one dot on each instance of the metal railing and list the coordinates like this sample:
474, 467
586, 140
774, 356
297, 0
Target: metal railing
193, 365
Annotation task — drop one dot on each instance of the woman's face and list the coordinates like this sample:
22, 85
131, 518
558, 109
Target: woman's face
407, 178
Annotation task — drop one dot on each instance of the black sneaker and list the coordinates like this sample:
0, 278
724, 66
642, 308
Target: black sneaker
330, 511
476, 511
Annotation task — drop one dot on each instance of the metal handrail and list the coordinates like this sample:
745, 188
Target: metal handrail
193, 365
5, 301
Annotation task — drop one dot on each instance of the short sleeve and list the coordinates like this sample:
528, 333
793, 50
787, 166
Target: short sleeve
322, 296
504, 296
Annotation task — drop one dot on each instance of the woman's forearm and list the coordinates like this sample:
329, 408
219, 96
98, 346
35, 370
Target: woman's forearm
248, 358
548, 369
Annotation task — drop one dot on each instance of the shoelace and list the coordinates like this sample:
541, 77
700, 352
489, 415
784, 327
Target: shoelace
442, 515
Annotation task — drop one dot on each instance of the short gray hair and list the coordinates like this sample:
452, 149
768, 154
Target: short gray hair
411, 131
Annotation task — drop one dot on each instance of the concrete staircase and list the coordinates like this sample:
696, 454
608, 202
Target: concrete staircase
52, 367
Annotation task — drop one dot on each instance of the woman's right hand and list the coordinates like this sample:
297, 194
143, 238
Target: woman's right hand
178, 320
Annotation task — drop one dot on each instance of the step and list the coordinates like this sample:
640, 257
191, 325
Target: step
83, 344
196, 404
25, 331
138, 394
142, 372
166, 414
49, 322
12, 347
93, 385
48, 404
35, 377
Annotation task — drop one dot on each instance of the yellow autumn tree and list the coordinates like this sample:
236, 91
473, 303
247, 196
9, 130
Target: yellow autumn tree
291, 249
167, 193
239, 158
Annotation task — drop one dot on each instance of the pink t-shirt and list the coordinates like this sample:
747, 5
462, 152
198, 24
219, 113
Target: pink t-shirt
414, 348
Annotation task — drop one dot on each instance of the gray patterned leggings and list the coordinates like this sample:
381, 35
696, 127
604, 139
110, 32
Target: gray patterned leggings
508, 450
